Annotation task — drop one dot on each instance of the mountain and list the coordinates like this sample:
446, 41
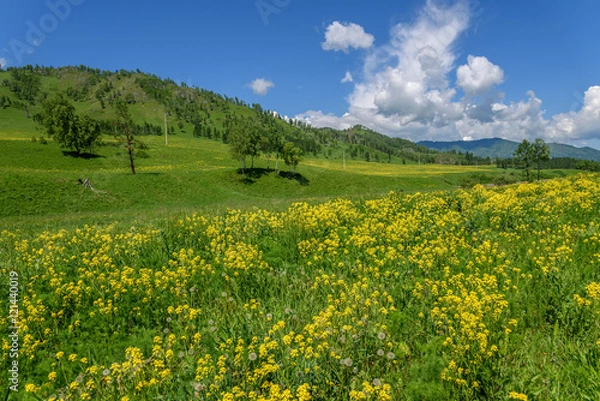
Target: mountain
497, 147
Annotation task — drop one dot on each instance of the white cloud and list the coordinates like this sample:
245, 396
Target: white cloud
515, 121
348, 77
3, 63
343, 36
406, 90
478, 75
584, 124
261, 86
406, 85
406, 79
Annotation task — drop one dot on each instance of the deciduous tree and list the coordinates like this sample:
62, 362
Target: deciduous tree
291, 156
125, 129
524, 156
70, 131
541, 153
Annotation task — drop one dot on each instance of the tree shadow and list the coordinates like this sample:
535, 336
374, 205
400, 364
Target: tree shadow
85, 156
253, 174
295, 176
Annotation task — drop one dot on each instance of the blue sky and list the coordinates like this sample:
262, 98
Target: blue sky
441, 70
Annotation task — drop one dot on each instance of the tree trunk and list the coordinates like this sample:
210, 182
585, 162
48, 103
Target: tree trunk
130, 151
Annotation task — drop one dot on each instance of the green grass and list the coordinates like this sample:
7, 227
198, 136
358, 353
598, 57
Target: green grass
40, 182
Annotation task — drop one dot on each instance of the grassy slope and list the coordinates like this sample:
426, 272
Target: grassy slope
189, 174
38, 184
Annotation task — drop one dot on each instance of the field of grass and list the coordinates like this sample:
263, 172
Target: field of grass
39, 184
480, 294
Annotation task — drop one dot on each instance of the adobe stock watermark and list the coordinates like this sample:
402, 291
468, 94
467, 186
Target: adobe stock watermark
38, 30
13, 322
266, 8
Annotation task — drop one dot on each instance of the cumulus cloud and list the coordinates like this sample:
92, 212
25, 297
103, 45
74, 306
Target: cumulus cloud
261, 86
3, 63
478, 75
584, 124
348, 77
406, 86
405, 89
343, 36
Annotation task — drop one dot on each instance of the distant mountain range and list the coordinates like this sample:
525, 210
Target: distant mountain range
497, 147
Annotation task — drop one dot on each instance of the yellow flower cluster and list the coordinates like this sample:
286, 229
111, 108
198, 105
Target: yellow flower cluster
340, 300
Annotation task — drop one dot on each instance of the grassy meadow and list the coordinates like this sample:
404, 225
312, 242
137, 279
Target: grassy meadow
377, 281
487, 293
39, 184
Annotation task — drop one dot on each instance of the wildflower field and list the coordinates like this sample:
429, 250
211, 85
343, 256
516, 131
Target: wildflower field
488, 293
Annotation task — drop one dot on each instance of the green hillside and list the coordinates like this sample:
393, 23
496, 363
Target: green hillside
195, 170
196, 110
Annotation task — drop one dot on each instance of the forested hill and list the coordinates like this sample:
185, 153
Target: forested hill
190, 110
